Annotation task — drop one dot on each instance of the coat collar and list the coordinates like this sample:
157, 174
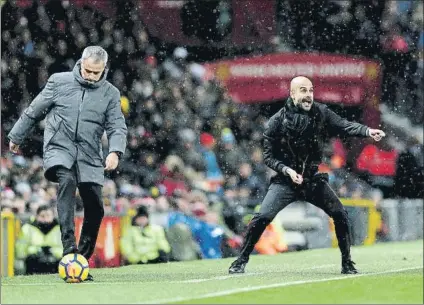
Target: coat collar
77, 74
291, 107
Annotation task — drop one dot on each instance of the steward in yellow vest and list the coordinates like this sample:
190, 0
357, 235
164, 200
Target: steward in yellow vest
39, 243
144, 243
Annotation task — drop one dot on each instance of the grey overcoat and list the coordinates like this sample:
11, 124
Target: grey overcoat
78, 112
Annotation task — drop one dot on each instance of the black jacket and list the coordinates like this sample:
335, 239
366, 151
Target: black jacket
295, 138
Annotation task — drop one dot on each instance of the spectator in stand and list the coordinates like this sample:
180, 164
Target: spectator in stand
187, 150
259, 169
409, 178
39, 243
213, 171
250, 184
143, 242
229, 154
173, 175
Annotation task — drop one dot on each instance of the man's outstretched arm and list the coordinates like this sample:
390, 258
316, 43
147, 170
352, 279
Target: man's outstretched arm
35, 112
342, 127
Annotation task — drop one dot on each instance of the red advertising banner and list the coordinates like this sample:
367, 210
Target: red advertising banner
376, 161
337, 79
106, 253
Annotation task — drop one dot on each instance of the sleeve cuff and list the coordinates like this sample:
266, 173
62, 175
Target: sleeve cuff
118, 153
284, 171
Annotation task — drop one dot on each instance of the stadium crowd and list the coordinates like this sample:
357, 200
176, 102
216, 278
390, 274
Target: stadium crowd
390, 31
193, 155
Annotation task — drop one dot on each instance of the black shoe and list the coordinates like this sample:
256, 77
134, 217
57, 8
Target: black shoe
89, 278
86, 246
69, 250
348, 267
238, 266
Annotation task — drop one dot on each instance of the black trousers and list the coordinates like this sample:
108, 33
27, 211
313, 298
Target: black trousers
280, 195
91, 195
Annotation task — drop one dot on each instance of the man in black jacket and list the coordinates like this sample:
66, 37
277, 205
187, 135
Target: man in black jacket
293, 143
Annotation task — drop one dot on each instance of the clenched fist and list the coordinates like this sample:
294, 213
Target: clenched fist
295, 177
13, 147
376, 134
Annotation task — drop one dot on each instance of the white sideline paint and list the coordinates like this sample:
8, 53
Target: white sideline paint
224, 277
253, 288
231, 291
221, 277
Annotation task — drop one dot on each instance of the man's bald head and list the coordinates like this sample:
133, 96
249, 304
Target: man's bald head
302, 92
300, 81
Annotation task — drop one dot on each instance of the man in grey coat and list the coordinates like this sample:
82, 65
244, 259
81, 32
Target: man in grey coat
79, 106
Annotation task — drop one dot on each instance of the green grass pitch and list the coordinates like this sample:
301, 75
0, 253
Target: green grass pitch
390, 273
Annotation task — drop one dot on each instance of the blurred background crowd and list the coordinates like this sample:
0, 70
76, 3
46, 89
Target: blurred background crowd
194, 156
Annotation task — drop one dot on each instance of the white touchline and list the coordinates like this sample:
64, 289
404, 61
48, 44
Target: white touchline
252, 288
221, 277
224, 277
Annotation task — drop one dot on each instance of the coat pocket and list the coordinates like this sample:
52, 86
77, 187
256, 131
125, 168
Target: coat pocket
50, 138
320, 177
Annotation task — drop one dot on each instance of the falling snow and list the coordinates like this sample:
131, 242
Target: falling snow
192, 147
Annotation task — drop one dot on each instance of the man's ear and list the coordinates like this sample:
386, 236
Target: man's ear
292, 93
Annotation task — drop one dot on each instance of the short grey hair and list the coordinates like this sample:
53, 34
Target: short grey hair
97, 53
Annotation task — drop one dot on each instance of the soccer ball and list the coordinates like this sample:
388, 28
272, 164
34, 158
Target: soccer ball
73, 268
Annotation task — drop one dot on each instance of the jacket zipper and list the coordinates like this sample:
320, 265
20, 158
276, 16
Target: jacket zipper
79, 111
304, 165
304, 162
76, 132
